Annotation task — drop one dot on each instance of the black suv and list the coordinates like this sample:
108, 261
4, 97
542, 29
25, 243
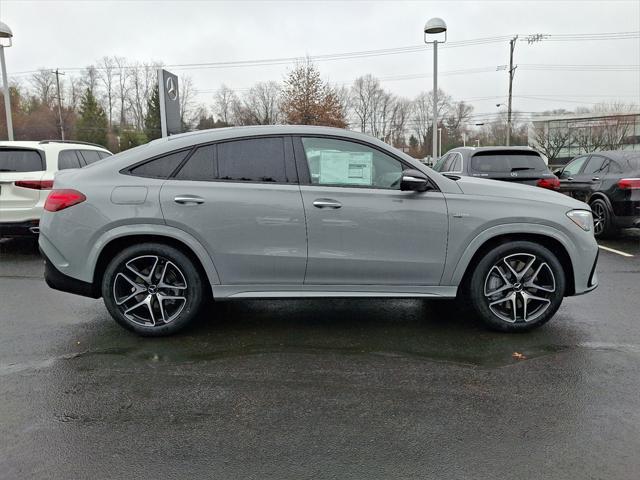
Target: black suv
511, 164
610, 183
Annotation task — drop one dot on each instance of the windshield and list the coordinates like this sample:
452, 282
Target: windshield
505, 162
19, 160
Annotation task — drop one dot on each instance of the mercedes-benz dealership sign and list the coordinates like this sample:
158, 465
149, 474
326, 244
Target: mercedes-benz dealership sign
169, 103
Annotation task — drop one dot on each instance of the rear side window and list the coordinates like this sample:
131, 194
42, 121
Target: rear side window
200, 166
68, 159
160, 167
19, 160
91, 156
102, 155
501, 162
252, 160
596, 164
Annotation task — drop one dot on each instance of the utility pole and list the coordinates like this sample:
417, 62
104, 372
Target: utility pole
512, 71
58, 73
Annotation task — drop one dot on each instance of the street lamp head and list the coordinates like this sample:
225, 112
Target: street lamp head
435, 25
5, 31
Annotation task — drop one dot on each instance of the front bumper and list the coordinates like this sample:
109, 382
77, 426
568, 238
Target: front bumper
59, 281
29, 228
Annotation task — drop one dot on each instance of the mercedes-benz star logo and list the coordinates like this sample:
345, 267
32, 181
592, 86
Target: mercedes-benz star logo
172, 90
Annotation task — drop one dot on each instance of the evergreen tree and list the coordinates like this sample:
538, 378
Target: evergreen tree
92, 126
152, 127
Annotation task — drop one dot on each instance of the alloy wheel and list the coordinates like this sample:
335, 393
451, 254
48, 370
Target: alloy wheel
519, 287
599, 217
150, 290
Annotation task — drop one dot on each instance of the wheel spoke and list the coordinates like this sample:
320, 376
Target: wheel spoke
506, 284
163, 284
137, 288
146, 302
147, 278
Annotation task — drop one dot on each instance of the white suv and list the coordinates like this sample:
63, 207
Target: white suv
26, 176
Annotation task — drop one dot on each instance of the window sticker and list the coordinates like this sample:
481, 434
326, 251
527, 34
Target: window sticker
346, 168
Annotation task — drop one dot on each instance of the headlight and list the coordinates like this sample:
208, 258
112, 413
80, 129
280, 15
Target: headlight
582, 218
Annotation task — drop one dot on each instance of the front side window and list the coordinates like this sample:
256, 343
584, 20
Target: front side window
160, 167
343, 163
441, 162
574, 167
68, 159
252, 160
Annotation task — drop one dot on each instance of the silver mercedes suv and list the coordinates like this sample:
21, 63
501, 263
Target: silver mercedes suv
294, 211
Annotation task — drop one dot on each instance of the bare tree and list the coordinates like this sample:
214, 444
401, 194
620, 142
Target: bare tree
122, 72
223, 102
363, 93
44, 85
107, 74
551, 141
260, 105
142, 81
89, 79
188, 112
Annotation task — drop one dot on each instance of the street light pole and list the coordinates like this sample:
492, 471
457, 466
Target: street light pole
434, 26
5, 32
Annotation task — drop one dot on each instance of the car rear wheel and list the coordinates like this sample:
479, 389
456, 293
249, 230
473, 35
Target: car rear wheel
602, 219
517, 286
152, 289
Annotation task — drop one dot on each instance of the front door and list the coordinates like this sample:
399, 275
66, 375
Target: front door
241, 200
362, 230
569, 182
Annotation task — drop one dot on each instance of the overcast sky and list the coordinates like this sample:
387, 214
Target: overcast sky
70, 34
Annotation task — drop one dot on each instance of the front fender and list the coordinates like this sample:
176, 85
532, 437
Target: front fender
455, 270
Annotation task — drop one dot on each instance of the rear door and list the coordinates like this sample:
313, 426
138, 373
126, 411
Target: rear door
25, 166
241, 200
589, 179
569, 173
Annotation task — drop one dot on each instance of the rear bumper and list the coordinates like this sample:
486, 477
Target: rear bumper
28, 228
59, 281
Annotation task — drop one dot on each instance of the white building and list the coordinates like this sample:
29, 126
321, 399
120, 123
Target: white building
562, 137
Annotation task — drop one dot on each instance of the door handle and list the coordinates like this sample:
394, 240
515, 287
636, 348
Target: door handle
188, 199
595, 179
326, 203
570, 179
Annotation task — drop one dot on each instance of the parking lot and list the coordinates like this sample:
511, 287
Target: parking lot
319, 388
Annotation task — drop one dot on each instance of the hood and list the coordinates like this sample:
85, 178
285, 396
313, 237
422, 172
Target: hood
495, 188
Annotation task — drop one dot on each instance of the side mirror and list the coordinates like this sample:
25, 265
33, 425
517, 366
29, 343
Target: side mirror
414, 180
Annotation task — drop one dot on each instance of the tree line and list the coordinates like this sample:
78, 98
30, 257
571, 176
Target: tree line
115, 103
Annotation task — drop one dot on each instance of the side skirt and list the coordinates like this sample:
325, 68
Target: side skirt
230, 292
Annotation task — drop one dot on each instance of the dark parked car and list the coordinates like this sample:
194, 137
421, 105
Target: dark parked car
512, 164
610, 183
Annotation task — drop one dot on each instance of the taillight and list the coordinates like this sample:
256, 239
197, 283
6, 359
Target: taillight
629, 183
35, 184
551, 183
61, 199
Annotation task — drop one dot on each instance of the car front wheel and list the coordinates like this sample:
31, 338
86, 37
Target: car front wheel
152, 289
517, 286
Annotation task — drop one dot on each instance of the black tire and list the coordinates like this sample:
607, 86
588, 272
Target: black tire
603, 219
174, 276
486, 279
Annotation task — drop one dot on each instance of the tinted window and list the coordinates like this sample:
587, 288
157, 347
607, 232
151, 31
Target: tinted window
596, 164
574, 167
200, 165
440, 163
501, 162
20, 161
102, 155
90, 156
343, 163
68, 159
456, 164
160, 167
252, 160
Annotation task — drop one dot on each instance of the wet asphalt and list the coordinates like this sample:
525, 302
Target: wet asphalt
319, 388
